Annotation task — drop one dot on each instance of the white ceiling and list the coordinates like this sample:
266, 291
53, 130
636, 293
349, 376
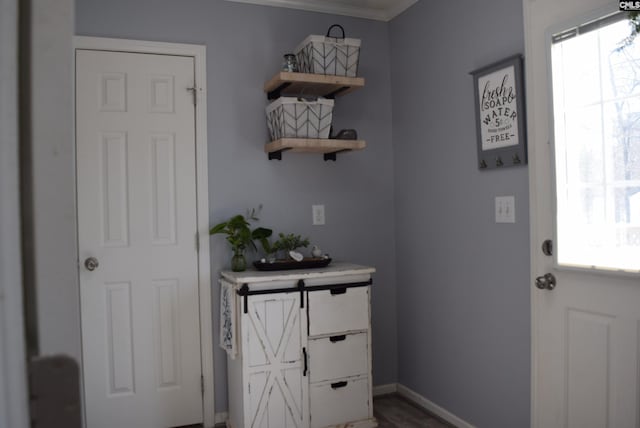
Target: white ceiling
380, 10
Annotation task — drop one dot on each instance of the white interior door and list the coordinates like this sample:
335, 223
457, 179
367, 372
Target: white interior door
137, 218
586, 330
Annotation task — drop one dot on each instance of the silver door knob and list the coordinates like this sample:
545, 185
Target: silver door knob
91, 263
546, 282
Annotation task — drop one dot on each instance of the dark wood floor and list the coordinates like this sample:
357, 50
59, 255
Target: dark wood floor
393, 411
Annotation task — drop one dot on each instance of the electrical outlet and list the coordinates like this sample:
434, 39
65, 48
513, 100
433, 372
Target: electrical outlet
505, 209
317, 212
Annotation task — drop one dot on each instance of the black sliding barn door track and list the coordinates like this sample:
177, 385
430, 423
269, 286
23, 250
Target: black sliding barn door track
245, 292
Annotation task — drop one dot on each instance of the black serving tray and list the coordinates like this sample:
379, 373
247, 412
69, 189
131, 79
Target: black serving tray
306, 263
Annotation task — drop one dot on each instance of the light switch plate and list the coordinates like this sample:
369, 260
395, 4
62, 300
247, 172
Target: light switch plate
505, 209
317, 212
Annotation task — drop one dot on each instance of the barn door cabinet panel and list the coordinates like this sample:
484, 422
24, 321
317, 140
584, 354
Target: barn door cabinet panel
303, 355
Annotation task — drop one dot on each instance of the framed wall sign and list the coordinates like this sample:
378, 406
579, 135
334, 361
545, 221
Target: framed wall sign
500, 116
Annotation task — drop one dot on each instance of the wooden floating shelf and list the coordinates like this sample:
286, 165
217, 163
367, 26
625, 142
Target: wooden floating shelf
285, 82
328, 147
313, 145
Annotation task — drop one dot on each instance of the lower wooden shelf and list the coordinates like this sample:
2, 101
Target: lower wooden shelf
328, 147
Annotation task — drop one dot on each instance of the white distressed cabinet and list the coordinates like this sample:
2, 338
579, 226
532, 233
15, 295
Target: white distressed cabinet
303, 348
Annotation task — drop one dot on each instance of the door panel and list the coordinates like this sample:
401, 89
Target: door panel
167, 332
588, 357
119, 338
587, 354
273, 340
115, 204
137, 216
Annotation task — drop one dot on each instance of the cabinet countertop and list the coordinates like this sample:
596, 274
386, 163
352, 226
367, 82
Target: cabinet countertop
335, 269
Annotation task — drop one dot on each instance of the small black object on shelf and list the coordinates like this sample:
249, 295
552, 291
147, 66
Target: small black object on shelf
346, 134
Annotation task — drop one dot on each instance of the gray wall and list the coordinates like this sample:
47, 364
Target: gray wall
245, 44
463, 281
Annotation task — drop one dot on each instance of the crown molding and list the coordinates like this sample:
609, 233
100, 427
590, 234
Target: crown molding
388, 9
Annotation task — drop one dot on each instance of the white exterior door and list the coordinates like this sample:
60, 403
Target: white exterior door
137, 218
275, 349
586, 331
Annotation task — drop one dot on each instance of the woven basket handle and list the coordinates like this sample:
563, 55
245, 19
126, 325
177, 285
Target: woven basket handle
335, 26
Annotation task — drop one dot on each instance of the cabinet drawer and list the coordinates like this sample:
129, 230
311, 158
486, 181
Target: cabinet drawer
333, 311
338, 357
339, 402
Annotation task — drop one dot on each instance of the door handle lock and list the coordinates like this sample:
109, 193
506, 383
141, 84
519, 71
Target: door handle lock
546, 282
91, 263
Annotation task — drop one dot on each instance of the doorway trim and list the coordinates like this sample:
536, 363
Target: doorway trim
198, 53
14, 406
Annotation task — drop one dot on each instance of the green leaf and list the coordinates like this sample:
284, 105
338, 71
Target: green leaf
238, 222
218, 228
261, 233
266, 246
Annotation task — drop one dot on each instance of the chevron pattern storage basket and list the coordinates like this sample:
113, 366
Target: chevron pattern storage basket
290, 117
337, 56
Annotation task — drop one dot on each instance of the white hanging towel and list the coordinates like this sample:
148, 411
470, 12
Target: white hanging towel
228, 336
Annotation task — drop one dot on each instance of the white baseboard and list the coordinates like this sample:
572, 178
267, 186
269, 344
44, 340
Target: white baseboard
389, 388
220, 418
432, 407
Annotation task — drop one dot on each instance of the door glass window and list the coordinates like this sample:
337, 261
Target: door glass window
596, 112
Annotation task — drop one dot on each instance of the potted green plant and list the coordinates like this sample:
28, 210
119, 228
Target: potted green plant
285, 244
241, 237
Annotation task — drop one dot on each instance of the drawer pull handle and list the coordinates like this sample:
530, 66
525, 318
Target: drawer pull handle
306, 367
339, 384
339, 338
341, 290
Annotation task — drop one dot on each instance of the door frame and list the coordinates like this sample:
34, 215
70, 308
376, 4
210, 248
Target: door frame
198, 53
14, 406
